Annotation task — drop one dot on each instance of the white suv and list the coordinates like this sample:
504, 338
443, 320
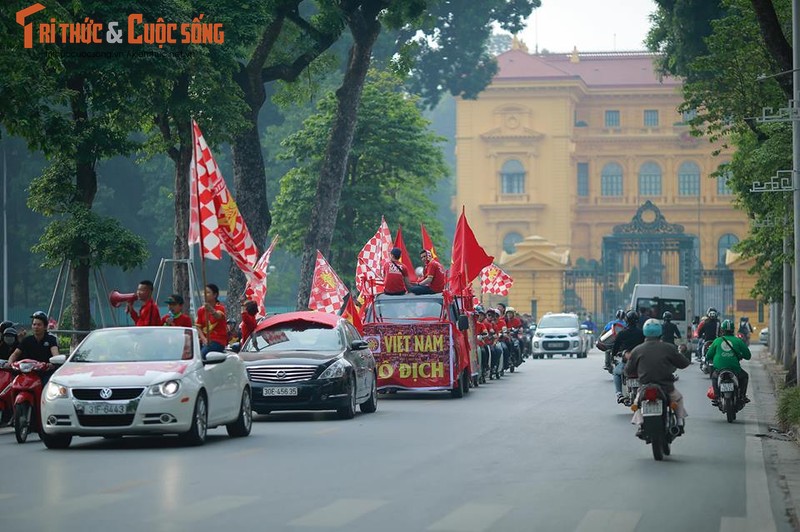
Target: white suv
559, 334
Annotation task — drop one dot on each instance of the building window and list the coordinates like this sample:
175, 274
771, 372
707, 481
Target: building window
726, 242
688, 116
651, 118
689, 179
512, 177
723, 189
510, 242
611, 180
612, 118
583, 179
650, 179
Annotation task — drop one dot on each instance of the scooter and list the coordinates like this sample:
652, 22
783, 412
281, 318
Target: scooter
660, 424
6, 402
730, 402
630, 386
27, 392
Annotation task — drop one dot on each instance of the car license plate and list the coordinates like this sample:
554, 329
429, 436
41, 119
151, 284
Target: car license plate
281, 391
633, 383
651, 408
104, 409
557, 345
726, 386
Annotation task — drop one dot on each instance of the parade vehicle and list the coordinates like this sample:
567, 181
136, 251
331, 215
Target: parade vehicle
421, 342
145, 381
310, 360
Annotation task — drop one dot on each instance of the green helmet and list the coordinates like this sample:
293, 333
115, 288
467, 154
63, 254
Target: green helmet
726, 326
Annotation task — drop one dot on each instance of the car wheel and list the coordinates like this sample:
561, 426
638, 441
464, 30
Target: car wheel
56, 441
458, 391
349, 411
199, 429
371, 404
244, 423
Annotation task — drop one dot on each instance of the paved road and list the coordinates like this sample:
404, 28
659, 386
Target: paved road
545, 449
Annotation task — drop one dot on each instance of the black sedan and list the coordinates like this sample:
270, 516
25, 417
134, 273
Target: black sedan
310, 360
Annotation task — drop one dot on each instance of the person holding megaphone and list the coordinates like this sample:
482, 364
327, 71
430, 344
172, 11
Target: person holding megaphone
148, 313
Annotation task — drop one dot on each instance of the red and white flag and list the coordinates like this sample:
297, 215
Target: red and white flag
369, 270
214, 217
495, 281
256, 288
327, 290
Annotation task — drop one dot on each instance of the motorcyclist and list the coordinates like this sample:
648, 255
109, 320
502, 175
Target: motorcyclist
653, 362
514, 324
745, 328
482, 336
9, 343
670, 330
725, 353
708, 330
497, 347
628, 338
619, 323
40, 345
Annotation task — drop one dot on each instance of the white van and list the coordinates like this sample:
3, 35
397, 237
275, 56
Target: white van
652, 300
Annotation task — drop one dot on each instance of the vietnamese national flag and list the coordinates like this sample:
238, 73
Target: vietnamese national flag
350, 312
468, 257
427, 243
215, 221
405, 259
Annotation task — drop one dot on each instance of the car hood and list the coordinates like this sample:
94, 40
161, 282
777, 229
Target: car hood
120, 373
547, 330
291, 357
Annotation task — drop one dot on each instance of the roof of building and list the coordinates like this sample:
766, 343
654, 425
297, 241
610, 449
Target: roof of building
597, 69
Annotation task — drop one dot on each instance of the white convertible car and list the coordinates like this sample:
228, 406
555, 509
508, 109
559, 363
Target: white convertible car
145, 380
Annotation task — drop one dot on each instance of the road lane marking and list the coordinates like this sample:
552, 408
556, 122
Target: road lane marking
733, 524
201, 510
471, 517
608, 521
759, 509
339, 513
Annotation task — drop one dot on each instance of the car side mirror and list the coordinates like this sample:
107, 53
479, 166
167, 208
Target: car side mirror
235, 347
463, 322
58, 359
358, 345
215, 357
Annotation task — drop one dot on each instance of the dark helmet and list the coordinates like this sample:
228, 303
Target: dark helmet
479, 309
726, 326
10, 335
632, 317
39, 315
5, 325
667, 316
712, 312
745, 318
620, 315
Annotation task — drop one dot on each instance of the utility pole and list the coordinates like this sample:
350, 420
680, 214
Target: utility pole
793, 106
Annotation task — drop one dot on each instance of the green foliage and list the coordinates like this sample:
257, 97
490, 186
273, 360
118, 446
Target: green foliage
789, 406
394, 165
88, 237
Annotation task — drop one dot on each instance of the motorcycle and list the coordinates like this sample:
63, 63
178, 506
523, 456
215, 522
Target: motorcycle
730, 401
705, 366
630, 387
743, 337
6, 403
26, 389
660, 424
516, 347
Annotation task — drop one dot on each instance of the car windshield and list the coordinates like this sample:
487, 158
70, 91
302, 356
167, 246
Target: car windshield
136, 345
296, 336
394, 307
558, 322
655, 308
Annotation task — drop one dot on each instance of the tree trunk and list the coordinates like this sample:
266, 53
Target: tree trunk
775, 41
79, 299
180, 246
365, 29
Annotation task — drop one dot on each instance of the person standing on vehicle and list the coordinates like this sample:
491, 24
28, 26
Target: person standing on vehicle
627, 339
40, 345
395, 275
654, 362
148, 313
176, 316
670, 331
249, 311
211, 322
434, 280
725, 353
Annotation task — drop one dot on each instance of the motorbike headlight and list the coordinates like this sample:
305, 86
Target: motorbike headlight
55, 391
166, 389
337, 370
25, 367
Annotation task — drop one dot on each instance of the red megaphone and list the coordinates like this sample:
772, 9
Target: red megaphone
116, 299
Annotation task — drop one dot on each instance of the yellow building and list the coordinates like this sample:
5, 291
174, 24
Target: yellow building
562, 148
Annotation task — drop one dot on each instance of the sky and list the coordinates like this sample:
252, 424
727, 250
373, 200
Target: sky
591, 25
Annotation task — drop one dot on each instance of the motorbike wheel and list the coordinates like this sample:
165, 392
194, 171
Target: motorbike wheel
657, 443
730, 409
666, 448
22, 422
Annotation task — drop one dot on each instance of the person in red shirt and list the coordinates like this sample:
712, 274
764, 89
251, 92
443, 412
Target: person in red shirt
211, 322
176, 317
493, 342
482, 336
433, 282
249, 311
148, 313
395, 275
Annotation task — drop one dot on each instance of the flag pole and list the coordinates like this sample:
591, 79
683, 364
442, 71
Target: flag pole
199, 221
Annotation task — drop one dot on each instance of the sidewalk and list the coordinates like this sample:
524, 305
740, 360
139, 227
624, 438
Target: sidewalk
781, 449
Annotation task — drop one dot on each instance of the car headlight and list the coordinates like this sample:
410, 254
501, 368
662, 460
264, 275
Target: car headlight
337, 370
55, 391
165, 389
573, 334
539, 335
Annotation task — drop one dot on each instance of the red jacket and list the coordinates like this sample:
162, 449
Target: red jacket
182, 320
248, 326
148, 315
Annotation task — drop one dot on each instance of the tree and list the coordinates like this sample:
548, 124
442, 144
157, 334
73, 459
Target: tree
395, 163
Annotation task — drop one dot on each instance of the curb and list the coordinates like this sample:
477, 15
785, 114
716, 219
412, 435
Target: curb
777, 376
